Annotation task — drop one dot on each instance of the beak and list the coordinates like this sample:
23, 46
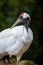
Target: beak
17, 22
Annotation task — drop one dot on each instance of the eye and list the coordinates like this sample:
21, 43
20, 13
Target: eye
21, 17
27, 18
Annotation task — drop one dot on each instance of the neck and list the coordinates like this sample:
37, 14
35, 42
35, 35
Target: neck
26, 26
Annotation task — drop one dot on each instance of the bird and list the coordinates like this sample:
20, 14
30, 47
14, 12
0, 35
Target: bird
17, 39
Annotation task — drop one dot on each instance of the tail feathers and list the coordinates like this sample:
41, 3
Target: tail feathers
4, 58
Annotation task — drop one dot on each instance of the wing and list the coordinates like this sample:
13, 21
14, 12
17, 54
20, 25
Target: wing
8, 37
15, 48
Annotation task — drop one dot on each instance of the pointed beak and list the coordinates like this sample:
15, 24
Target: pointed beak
17, 22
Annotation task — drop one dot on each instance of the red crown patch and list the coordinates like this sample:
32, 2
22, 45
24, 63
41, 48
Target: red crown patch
21, 14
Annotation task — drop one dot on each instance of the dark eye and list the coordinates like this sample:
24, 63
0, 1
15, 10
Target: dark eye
21, 17
27, 18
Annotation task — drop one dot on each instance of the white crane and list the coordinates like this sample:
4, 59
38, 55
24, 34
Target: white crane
17, 39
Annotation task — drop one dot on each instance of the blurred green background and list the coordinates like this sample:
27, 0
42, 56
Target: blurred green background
9, 12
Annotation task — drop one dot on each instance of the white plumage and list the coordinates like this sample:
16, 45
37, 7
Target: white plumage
16, 40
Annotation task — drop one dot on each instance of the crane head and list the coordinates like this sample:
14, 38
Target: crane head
23, 17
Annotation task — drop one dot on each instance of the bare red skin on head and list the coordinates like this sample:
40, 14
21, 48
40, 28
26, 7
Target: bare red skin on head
21, 14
